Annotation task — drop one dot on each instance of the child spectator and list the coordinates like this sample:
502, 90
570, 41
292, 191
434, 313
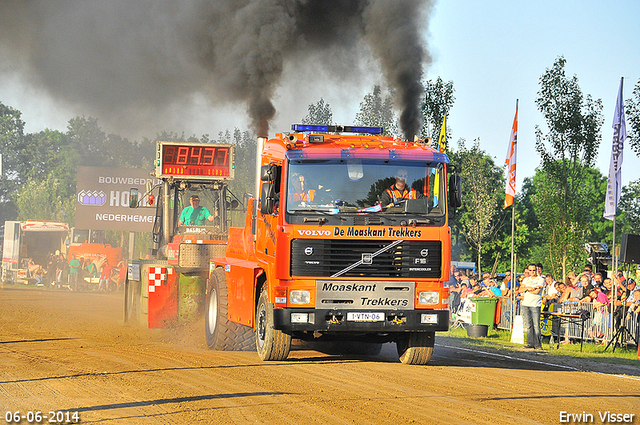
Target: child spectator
495, 288
600, 304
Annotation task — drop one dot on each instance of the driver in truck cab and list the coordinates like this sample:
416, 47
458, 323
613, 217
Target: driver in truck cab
299, 190
399, 190
194, 214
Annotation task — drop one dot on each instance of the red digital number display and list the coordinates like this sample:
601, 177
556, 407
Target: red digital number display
195, 160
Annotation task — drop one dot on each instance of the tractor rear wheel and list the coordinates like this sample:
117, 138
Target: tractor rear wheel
222, 333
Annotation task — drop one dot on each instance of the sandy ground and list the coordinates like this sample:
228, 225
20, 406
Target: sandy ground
70, 351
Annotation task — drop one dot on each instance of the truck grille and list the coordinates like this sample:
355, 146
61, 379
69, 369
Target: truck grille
326, 257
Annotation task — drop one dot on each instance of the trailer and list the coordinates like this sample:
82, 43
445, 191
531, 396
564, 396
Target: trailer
30, 242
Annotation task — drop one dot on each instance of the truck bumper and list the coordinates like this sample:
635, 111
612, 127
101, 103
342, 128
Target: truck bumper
292, 319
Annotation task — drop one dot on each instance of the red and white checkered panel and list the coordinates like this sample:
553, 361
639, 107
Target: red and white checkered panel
157, 276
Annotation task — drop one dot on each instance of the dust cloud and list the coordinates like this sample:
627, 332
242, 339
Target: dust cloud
133, 62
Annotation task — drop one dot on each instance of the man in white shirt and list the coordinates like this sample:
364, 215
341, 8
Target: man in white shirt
531, 289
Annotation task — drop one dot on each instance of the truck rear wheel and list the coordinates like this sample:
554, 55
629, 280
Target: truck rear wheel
222, 333
416, 347
271, 344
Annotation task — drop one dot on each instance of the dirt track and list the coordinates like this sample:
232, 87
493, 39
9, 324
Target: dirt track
71, 351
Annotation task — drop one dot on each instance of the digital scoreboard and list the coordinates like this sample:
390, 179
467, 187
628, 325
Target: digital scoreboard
195, 161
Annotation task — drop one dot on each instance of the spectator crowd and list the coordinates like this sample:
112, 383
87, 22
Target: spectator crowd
77, 273
536, 292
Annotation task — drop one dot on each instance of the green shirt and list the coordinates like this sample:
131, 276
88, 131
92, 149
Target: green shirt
197, 216
92, 269
74, 265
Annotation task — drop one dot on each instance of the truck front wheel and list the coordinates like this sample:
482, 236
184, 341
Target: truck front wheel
271, 344
222, 333
416, 347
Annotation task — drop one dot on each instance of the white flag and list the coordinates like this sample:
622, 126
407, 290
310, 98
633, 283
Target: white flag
614, 184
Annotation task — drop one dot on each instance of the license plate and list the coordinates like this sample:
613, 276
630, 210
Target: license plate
365, 317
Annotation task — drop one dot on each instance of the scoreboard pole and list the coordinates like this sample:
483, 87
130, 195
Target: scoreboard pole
166, 213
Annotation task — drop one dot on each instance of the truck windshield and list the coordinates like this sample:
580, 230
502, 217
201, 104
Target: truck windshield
360, 186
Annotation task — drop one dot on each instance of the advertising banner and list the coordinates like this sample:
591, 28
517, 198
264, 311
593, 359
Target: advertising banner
102, 199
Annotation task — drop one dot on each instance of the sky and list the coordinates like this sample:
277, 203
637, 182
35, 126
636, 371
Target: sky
494, 52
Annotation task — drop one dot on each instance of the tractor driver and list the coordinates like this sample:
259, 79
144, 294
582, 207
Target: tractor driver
399, 190
194, 214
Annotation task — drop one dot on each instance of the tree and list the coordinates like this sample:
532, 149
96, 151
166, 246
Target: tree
245, 165
480, 214
532, 248
438, 101
629, 208
376, 110
319, 113
567, 151
46, 199
50, 160
632, 113
13, 160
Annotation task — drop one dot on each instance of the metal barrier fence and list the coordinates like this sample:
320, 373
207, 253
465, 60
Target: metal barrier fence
597, 328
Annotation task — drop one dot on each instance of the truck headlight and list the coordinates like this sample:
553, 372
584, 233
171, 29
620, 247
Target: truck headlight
429, 298
299, 317
299, 297
430, 319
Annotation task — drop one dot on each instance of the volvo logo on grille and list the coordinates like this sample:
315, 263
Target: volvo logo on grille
424, 252
308, 250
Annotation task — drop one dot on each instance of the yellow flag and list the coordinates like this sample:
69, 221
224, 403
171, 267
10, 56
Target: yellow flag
442, 140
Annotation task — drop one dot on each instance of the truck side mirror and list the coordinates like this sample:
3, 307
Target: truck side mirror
133, 197
267, 198
270, 173
455, 192
264, 173
270, 176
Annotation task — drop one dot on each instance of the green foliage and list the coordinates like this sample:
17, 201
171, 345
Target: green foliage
245, 171
46, 198
595, 188
630, 207
54, 158
438, 101
13, 159
481, 213
376, 110
632, 115
562, 200
319, 114
528, 252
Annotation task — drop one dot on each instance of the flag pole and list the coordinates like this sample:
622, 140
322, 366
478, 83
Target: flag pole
614, 184
513, 271
511, 159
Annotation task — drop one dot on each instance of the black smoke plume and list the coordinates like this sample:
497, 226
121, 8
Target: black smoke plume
131, 60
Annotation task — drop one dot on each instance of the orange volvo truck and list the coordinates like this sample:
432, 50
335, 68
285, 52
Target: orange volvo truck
349, 243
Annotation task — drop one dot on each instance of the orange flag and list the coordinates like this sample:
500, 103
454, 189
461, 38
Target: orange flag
512, 155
